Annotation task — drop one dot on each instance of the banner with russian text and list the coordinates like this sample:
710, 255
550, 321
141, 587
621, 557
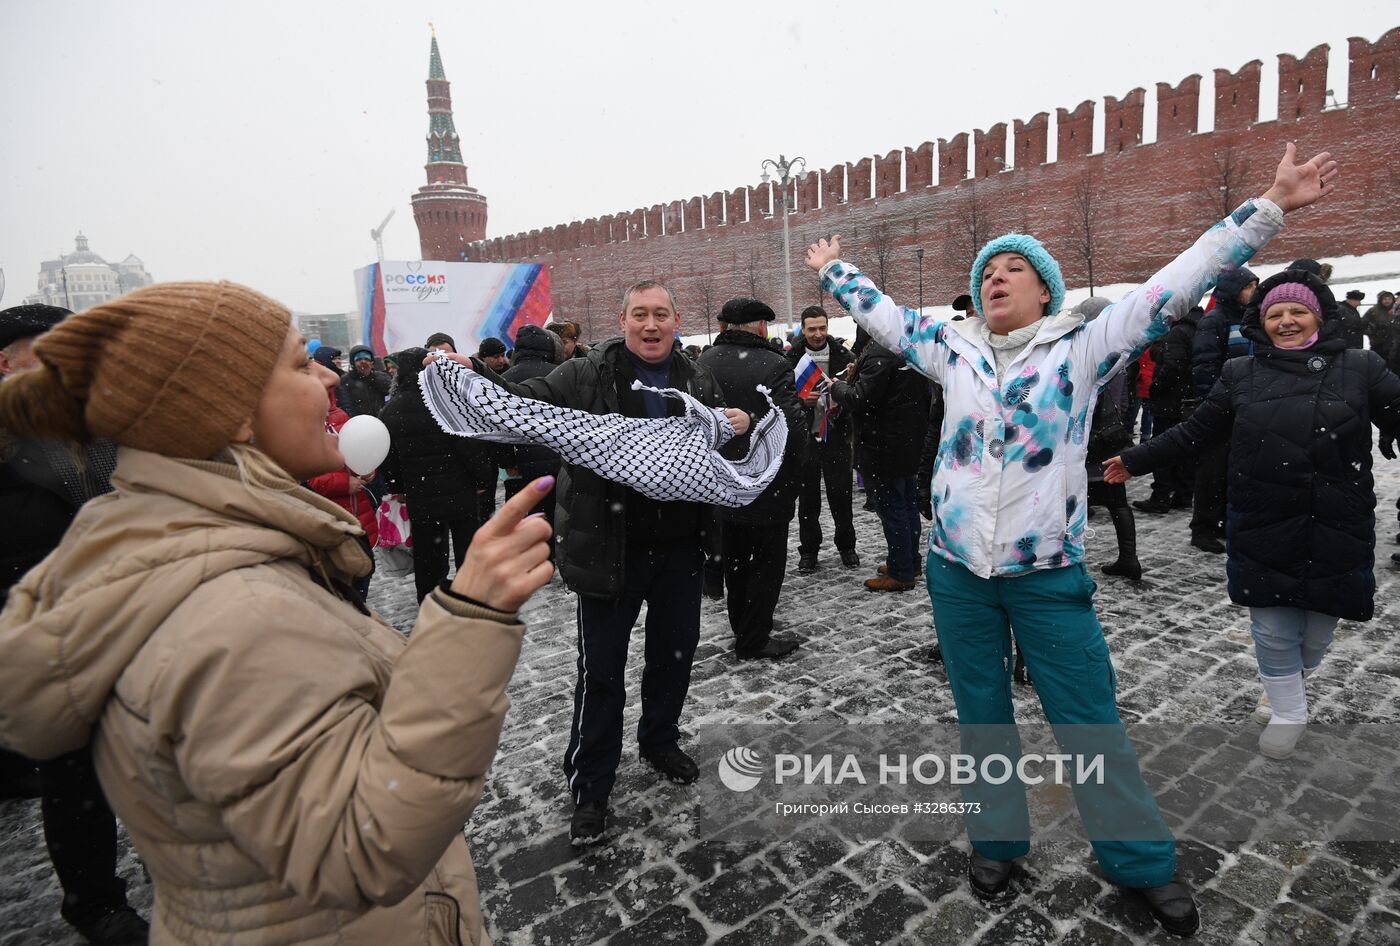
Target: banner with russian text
402, 302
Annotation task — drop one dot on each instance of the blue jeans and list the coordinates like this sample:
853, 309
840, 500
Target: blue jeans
1287, 640
896, 503
1052, 611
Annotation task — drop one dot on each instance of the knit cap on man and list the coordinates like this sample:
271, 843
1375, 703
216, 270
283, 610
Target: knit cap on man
151, 369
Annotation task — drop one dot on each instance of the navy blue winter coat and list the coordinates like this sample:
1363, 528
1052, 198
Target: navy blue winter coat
1300, 525
1218, 335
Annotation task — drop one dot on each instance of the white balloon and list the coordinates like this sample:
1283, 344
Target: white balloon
364, 442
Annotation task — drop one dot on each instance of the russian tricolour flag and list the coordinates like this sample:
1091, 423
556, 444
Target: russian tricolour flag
809, 377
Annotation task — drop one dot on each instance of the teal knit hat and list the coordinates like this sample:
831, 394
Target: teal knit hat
1035, 253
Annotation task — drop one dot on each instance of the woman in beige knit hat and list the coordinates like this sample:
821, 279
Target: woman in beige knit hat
290, 770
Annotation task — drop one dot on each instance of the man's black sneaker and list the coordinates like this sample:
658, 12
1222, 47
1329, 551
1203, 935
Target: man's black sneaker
1181, 502
120, 927
1208, 543
806, 564
1395, 557
1173, 908
589, 824
850, 559
988, 878
1153, 504
674, 765
778, 645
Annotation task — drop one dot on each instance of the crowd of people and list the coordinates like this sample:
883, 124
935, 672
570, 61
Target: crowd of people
188, 643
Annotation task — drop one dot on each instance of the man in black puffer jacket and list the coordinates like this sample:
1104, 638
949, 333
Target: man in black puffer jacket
891, 408
365, 386
1218, 338
433, 471
537, 353
754, 538
618, 550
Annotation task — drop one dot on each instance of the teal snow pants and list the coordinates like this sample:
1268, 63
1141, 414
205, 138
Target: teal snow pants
1052, 614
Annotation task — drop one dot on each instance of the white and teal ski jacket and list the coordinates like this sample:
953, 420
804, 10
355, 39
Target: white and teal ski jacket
1009, 486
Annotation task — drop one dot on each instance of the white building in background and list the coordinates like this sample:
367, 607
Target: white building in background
82, 279
337, 329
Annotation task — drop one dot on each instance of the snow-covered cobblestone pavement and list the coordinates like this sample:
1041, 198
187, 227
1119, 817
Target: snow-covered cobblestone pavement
1183, 658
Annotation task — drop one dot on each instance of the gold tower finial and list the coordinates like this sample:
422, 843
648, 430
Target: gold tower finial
432, 29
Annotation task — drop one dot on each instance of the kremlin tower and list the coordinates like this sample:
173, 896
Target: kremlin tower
450, 215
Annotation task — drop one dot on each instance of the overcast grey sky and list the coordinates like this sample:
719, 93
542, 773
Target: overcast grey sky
261, 141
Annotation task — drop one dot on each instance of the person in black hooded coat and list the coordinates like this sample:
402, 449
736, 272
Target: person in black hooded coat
537, 353
435, 473
1217, 339
754, 538
1297, 414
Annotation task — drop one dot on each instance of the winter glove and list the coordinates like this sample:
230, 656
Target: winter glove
1388, 447
925, 502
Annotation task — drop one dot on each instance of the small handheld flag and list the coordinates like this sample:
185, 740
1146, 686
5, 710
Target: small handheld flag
809, 376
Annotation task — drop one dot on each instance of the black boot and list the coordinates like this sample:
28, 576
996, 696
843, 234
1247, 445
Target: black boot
673, 764
1155, 504
1173, 907
1125, 526
1208, 543
988, 878
589, 824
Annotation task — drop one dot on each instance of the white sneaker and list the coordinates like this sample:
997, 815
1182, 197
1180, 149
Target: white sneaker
1264, 711
1279, 739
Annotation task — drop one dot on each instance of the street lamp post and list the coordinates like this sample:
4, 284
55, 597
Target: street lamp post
919, 255
63, 272
785, 169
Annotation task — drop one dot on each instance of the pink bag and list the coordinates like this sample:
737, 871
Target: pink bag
394, 530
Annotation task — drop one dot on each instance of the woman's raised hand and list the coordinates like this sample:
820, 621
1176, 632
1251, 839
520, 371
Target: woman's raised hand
508, 559
821, 252
1298, 185
1114, 471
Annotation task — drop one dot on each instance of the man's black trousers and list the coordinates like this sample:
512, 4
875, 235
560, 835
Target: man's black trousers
755, 561
430, 548
830, 461
667, 580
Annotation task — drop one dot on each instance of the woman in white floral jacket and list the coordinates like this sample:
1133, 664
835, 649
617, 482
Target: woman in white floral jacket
1006, 545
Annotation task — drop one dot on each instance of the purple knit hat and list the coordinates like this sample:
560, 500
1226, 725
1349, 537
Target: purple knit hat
1292, 292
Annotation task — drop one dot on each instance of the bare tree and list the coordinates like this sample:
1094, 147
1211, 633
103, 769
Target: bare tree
973, 224
882, 248
587, 314
705, 288
753, 274
1084, 223
1223, 181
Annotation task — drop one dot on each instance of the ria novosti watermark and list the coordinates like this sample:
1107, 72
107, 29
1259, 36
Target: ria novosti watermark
1207, 779
741, 769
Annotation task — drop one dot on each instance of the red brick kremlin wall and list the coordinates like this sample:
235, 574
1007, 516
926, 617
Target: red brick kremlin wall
1143, 203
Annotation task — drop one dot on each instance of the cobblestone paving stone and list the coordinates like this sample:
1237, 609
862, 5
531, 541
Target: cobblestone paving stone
1182, 654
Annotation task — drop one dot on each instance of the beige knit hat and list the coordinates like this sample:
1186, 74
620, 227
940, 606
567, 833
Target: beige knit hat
174, 368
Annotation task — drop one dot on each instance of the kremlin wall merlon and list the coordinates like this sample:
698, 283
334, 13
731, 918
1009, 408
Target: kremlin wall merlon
1135, 205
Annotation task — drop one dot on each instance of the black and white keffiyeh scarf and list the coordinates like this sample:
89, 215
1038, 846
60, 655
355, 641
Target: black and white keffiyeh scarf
667, 459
